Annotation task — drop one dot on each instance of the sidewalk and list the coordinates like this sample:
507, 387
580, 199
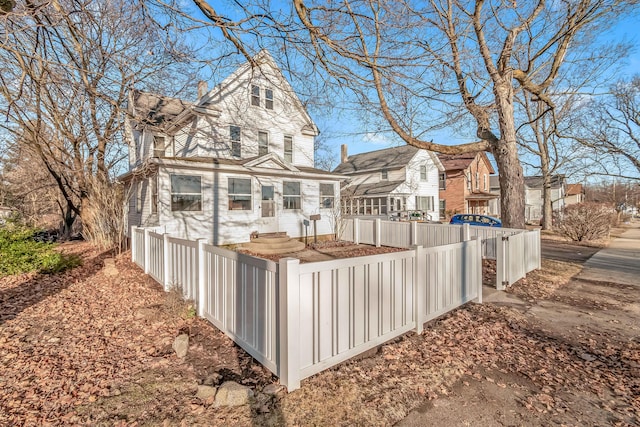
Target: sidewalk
619, 263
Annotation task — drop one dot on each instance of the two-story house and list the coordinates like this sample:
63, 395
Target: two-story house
389, 182
237, 160
534, 205
575, 194
465, 184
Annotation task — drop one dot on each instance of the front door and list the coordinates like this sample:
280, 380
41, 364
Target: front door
268, 210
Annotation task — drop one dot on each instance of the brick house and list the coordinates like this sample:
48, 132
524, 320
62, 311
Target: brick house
465, 184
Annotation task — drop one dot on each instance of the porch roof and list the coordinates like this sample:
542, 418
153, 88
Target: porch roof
375, 189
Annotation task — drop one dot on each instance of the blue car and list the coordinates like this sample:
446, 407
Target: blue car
475, 219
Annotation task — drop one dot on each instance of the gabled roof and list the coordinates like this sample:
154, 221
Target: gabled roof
574, 189
377, 188
155, 109
536, 182
462, 161
387, 158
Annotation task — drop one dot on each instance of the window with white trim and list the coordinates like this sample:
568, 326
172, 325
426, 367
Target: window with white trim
485, 182
468, 176
139, 197
255, 95
263, 143
236, 143
291, 195
423, 172
159, 146
424, 203
239, 190
153, 182
384, 174
288, 148
327, 196
186, 193
442, 177
477, 180
268, 99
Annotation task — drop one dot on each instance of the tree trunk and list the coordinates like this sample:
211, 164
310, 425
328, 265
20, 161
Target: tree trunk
547, 203
68, 219
505, 151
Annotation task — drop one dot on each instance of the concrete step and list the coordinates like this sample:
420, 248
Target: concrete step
270, 240
273, 248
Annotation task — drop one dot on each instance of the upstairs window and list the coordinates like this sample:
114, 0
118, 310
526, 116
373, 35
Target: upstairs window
468, 175
424, 203
255, 95
288, 149
291, 195
159, 146
263, 143
327, 196
423, 172
268, 99
485, 182
153, 182
477, 180
239, 194
139, 197
442, 181
236, 144
384, 174
186, 193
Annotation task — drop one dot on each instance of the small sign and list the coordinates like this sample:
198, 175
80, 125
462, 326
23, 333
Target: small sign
305, 222
314, 217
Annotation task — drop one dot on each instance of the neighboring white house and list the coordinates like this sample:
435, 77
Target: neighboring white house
237, 160
575, 194
392, 180
534, 197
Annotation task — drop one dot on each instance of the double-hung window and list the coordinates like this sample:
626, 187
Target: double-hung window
288, 148
263, 143
423, 172
424, 203
153, 182
443, 181
327, 196
477, 180
236, 143
159, 146
255, 95
268, 99
139, 197
186, 193
384, 174
239, 194
291, 195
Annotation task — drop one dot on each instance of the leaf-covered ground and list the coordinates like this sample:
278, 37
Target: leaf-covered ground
85, 347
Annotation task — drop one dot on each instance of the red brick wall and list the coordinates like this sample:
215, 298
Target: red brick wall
456, 190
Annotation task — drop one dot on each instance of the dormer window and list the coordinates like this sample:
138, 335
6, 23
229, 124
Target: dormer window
268, 99
384, 174
255, 95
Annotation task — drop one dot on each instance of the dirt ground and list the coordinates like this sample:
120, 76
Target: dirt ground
84, 347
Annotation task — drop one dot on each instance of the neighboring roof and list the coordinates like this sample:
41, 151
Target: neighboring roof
387, 158
155, 109
376, 188
574, 189
462, 161
557, 181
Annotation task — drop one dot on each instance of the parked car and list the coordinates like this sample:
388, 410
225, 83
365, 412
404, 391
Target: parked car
475, 219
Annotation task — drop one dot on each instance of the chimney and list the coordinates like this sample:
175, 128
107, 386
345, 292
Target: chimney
202, 88
343, 153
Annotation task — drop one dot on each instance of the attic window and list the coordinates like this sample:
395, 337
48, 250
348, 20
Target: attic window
255, 95
423, 173
268, 99
159, 146
384, 174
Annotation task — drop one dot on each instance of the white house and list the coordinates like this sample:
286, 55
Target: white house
533, 187
238, 160
390, 181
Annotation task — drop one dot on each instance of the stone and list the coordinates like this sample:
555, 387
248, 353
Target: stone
273, 389
110, 267
181, 345
233, 394
213, 379
206, 392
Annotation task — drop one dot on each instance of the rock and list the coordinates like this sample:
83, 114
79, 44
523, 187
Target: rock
206, 392
273, 389
233, 394
54, 340
213, 379
181, 345
110, 267
587, 357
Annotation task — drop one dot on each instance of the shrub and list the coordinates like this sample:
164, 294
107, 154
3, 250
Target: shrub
585, 221
20, 253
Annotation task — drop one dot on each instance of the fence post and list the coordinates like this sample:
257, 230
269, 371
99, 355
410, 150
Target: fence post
289, 318
539, 248
166, 267
413, 238
501, 261
420, 286
356, 231
133, 243
465, 232
147, 252
477, 275
203, 295
378, 237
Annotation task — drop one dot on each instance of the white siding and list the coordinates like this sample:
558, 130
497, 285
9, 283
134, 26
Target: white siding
416, 187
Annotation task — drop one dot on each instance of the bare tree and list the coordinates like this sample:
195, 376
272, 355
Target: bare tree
68, 67
424, 66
